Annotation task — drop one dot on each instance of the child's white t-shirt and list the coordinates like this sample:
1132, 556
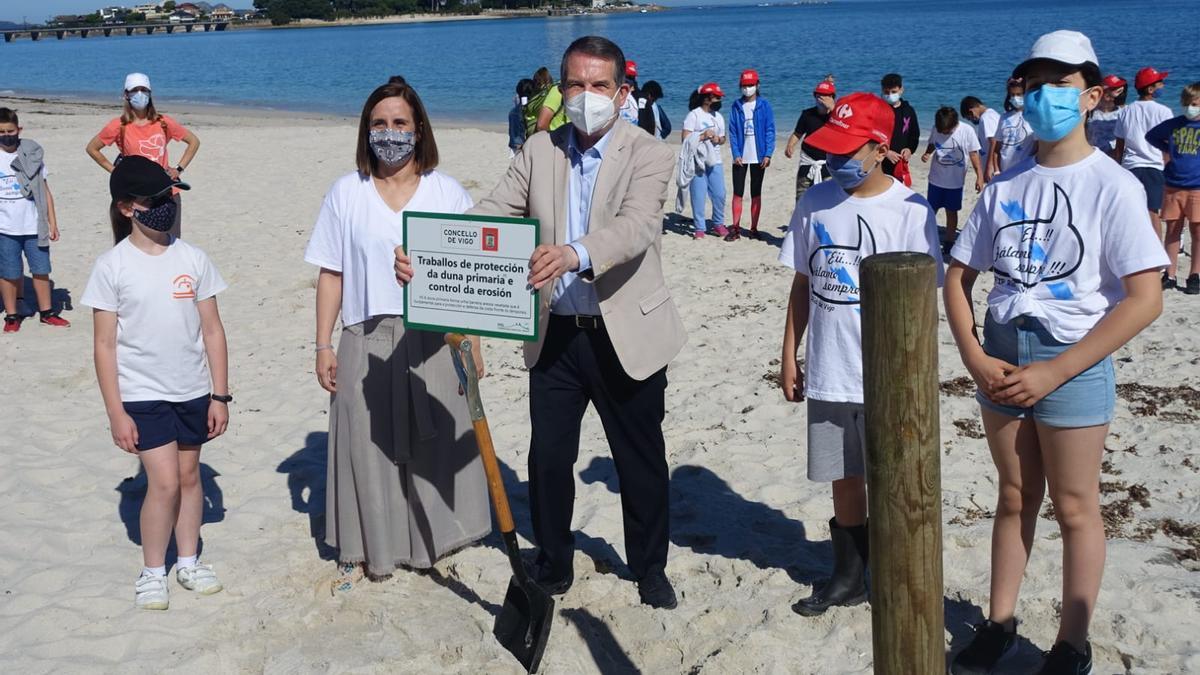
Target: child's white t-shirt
698, 121
18, 213
749, 145
160, 349
985, 130
357, 234
1015, 139
1060, 240
1132, 124
829, 235
951, 153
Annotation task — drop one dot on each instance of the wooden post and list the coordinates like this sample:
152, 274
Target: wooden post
900, 388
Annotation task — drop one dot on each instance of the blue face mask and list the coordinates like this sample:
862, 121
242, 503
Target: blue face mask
139, 100
1052, 112
1157, 93
845, 171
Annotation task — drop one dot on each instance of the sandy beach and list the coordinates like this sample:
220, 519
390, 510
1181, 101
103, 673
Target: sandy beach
749, 531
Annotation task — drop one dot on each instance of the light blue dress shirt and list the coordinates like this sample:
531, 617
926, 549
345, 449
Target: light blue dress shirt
571, 294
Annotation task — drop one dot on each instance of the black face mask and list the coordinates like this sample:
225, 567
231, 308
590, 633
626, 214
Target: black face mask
10, 140
716, 105
160, 217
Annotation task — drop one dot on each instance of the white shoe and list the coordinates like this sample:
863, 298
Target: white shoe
199, 578
150, 592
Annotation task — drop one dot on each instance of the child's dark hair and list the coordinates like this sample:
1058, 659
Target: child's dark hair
122, 224
696, 99
525, 88
1049, 70
945, 119
891, 81
9, 116
965, 105
1120, 99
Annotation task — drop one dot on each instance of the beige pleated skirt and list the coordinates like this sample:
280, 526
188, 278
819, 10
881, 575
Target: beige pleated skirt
405, 482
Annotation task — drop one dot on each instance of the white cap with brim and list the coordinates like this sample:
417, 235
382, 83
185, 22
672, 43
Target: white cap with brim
135, 80
1064, 46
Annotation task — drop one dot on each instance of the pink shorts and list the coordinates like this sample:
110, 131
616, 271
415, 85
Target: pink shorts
1181, 203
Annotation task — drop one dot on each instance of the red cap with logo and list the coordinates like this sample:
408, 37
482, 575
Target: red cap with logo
825, 88
749, 77
855, 119
630, 68
1113, 81
711, 88
1148, 76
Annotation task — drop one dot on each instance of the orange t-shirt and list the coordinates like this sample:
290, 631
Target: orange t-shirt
146, 140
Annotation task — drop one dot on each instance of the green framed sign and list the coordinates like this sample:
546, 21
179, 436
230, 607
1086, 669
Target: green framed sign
470, 275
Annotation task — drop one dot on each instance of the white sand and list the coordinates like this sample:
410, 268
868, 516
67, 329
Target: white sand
749, 531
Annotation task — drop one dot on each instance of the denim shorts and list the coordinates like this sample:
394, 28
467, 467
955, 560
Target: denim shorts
1086, 400
11, 248
160, 422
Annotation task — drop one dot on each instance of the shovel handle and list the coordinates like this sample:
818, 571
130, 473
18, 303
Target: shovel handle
483, 433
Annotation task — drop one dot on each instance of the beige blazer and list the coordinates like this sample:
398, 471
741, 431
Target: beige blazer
624, 237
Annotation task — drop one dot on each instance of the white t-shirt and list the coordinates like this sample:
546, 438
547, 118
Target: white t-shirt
985, 130
357, 234
750, 144
1059, 241
829, 235
951, 155
698, 121
160, 349
1132, 124
18, 214
1015, 138
1102, 129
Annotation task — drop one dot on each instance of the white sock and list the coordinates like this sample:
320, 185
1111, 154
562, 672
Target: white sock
160, 571
186, 561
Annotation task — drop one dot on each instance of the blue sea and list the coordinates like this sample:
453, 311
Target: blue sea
466, 71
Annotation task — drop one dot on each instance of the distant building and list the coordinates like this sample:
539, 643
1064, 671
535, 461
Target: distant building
147, 9
65, 20
181, 16
112, 13
188, 8
222, 13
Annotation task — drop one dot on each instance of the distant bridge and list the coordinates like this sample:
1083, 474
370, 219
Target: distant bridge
36, 34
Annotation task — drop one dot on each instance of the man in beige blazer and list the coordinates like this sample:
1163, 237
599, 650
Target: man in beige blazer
608, 324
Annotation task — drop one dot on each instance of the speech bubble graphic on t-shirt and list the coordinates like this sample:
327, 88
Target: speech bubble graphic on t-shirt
833, 267
950, 154
153, 147
1039, 250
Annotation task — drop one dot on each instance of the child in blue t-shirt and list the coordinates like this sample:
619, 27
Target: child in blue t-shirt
1180, 138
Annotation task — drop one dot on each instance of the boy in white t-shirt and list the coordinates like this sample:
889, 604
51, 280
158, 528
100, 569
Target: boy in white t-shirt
162, 366
860, 212
986, 121
951, 146
1075, 269
1143, 160
28, 223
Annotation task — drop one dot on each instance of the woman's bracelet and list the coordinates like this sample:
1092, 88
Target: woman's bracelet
321, 348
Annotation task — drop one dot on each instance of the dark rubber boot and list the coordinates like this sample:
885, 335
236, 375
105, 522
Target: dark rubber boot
848, 585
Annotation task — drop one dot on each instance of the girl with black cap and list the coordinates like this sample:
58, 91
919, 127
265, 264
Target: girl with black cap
1076, 267
162, 365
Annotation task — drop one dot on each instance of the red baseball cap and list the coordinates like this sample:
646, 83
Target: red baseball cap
630, 68
711, 88
1113, 81
1148, 76
856, 119
825, 88
749, 77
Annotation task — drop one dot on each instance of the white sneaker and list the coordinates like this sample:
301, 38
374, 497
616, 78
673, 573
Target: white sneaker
199, 578
150, 592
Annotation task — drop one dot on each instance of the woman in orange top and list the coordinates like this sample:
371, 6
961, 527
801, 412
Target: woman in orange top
141, 130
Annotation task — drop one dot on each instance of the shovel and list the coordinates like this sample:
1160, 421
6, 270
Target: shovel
523, 626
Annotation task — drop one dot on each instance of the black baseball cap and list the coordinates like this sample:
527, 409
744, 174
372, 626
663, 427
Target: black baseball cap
136, 176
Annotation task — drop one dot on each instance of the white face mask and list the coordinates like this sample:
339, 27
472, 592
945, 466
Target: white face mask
892, 98
591, 112
747, 92
1018, 101
1192, 112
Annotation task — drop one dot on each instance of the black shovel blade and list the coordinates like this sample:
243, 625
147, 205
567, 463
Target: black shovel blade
523, 626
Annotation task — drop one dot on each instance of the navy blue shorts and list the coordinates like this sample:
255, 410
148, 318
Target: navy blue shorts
160, 422
945, 198
1153, 180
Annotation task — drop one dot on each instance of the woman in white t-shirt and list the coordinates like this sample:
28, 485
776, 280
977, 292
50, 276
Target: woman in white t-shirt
1014, 141
1075, 270
161, 362
703, 119
405, 484
1102, 123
